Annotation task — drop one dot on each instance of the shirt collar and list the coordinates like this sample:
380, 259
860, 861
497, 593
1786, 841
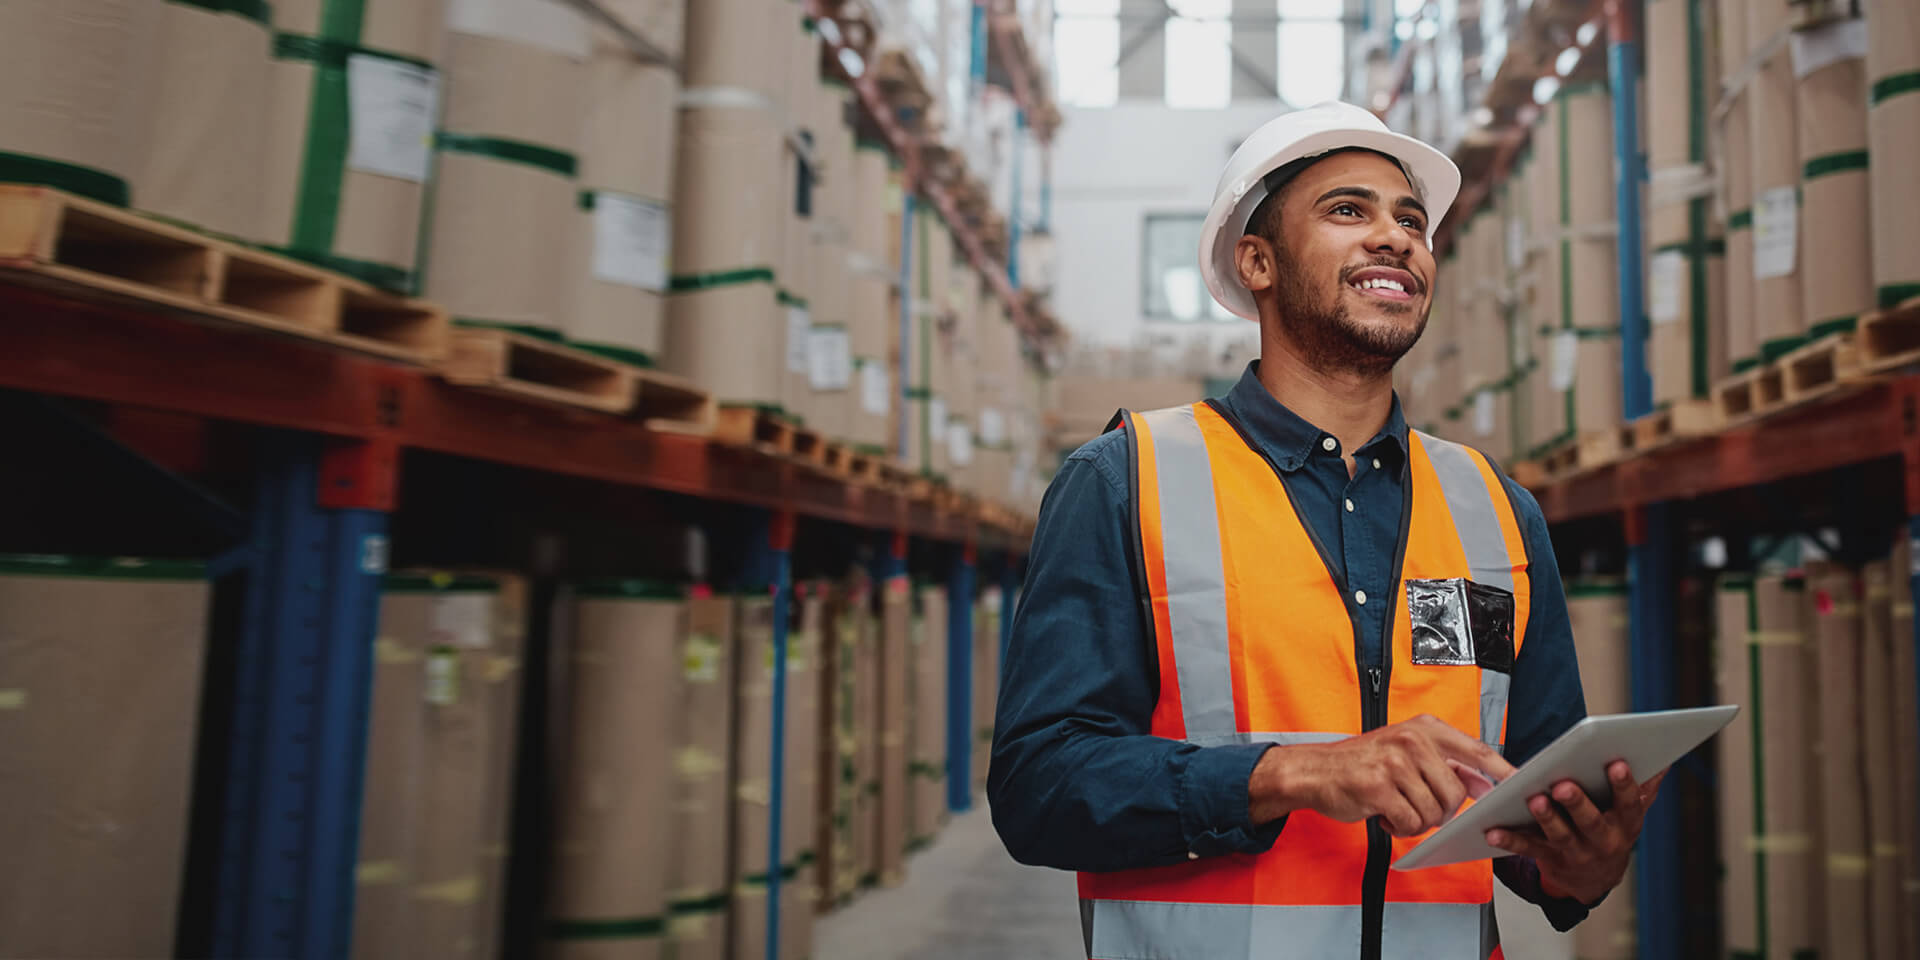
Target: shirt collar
1288, 439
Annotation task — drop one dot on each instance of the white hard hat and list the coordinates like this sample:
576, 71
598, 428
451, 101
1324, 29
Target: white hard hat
1307, 133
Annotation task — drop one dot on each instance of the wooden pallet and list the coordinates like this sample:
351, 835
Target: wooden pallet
1594, 449
1687, 418
530, 368
1889, 339
100, 253
838, 460
669, 402
1820, 367
753, 427
1744, 396
1528, 473
809, 446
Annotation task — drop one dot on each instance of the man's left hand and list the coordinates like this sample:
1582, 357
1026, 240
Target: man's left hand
1582, 853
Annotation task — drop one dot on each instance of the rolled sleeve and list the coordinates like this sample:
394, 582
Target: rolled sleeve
1077, 781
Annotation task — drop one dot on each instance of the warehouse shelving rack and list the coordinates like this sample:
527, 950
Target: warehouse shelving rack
330, 434
1822, 462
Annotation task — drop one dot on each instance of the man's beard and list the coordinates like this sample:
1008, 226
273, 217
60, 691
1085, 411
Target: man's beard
1330, 339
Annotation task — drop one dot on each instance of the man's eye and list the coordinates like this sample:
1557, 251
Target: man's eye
1414, 224
1346, 210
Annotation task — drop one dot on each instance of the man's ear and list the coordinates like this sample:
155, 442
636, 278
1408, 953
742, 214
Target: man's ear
1255, 262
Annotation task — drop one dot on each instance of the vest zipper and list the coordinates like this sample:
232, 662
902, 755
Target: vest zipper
1373, 888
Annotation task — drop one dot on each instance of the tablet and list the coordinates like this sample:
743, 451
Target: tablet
1648, 742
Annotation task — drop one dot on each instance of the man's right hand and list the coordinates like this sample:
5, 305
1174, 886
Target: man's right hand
1403, 773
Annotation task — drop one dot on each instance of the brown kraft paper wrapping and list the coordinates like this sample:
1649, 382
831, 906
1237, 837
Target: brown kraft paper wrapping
1737, 752
614, 827
928, 757
1893, 131
1832, 597
76, 83
1597, 611
896, 673
703, 730
1834, 205
211, 94
100, 682
1790, 837
1778, 303
1743, 336
1907, 782
1882, 746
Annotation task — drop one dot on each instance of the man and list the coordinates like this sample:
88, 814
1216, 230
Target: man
1214, 705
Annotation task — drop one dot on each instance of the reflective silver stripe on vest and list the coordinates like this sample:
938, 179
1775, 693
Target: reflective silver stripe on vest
1152, 930
1439, 931
1283, 739
1476, 520
1196, 587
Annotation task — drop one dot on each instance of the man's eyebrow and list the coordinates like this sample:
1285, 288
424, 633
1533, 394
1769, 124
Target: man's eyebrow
1363, 193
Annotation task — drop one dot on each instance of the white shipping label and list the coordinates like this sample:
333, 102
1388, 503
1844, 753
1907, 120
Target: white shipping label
631, 240
443, 677
1776, 234
936, 418
1566, 359
876, 389
799, 333
993, 427
1516, 243
1817, 48
959, 443
829, 359
394, 107
1664, 279
1483, 413
462, 620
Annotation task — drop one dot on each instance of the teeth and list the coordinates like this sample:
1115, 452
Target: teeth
1381, 284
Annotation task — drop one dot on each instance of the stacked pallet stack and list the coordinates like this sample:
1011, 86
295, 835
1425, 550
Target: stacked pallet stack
103, 660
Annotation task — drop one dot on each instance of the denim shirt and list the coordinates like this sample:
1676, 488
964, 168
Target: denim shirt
1078, 782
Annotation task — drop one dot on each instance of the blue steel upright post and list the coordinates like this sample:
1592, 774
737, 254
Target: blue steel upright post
1650, 569
303, 674
770, 555
960, 680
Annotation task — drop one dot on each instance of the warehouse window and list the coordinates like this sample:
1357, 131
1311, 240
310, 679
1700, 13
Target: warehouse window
1170, 265
1200, 54
1086, 50
1312, 56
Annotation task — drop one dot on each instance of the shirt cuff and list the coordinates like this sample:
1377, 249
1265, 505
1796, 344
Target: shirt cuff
1213, 802
1522, 876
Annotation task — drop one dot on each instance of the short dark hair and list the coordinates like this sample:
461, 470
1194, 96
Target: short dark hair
1277, 180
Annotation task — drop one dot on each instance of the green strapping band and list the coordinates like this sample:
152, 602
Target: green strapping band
869, 449
1740, 219
386, 276
682, 283
1744, 364
631, 928
1781, 346
613, 588
716, 903
1697, 334
524, 329
789, 300
1712, 247
1895, 294
332, 53
1886, 88
512, 151
100, 568
1754, 716
614, 351
438, 583
1834, 163
919, 393
1827, 328
256, 10
60, 175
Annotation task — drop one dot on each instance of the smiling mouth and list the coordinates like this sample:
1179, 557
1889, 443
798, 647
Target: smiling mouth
1382, 289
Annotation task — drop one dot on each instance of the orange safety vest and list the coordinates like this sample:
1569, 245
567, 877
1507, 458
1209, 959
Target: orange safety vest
1258, 643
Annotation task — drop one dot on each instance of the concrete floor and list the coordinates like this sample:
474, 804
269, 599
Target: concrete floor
965, 899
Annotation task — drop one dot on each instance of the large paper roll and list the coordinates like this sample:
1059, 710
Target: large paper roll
505, 206
1836, 651
1832, 106
1743, 335
212, 92
740, 44
702, 733
624, 227
1893, 76
76, 88
1779, 248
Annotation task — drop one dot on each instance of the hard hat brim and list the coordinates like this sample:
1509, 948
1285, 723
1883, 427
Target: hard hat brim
1435, 178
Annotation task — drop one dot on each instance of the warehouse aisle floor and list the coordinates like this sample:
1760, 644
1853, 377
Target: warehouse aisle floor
965, 899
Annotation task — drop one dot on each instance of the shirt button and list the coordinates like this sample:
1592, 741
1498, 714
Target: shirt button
1360, 597
1349, 506
1376, 463
1329, 444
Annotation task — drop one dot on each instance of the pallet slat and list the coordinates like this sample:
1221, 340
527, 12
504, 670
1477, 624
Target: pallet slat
100, 253
1819, 367
1889, 339
530, 368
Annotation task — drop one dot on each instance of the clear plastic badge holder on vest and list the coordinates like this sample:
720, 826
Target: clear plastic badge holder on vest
1648, 742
